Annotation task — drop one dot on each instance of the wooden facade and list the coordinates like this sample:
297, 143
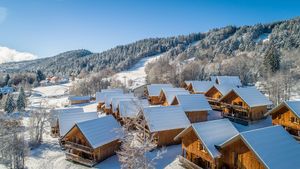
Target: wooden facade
238, 155
197, 116
194, 151
78, 149
285, 117
73, 102
154, 100
234, 106
213, 93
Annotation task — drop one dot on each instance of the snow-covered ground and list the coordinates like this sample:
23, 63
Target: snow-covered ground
263, 38
137, 73
49, 154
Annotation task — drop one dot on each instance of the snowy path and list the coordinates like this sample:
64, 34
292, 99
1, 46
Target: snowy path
137, 73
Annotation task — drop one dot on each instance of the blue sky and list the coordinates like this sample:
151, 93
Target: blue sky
48, 27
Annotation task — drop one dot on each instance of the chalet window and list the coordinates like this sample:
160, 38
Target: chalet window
292, 119
200, 147
279, 116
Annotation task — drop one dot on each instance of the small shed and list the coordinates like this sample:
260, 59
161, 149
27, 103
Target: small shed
287, 114
165, 122
245, 103
234, 81
92, 141
199, 142
153, 92
264, 148
54, 113
67, 120
195, 106
167, 95
79, 99
199, 87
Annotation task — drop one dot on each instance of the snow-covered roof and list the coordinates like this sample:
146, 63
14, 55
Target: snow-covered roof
67, 120
116, 100
223, 89
100, 131
251, 96
79, 97
55, 113
227, 80
273, 146
130, 108
165, 118
154, 89
201, 86
110, 96
100, 96
193, 102
294, 106
212, 133
170, 93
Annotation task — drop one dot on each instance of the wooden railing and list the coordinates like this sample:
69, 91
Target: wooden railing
79, 159
187, 164
79, 147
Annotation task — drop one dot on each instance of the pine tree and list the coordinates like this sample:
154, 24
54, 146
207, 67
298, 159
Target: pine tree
9, 104
21, 101
272, 60
7, 78
39, 76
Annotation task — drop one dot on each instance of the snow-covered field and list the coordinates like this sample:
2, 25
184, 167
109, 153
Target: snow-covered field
49, 155
137, 73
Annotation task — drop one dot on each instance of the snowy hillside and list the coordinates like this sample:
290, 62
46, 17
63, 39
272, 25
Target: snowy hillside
137, 73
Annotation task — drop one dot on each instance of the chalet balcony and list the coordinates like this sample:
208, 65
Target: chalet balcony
79, 159
79, 147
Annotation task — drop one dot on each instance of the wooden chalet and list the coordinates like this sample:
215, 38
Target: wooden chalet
216, 92
167, 95
164, 123
287, 114
67, 120
245, 104
129, 109
199, 142
108, 100
233, 81
195, 106
115, 101
54, 118
92, 141
100, 96
153, 92
264, 148
79, 99
199, 87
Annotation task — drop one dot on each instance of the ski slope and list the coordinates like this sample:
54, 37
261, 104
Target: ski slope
137, 73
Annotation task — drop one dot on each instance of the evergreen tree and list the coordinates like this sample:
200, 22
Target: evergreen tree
272, 60
39, 76
21, 101
7, 78
9, 104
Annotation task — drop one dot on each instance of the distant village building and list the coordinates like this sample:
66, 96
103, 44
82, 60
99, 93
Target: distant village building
54, 124
199, 142
287, 114
199, 87
79, 99
153, 92
264, 148
92, 141
167, 95
245, 104
227, 80
164, 123
6, 90
195, 106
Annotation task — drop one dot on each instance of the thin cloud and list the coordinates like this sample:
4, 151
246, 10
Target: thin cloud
3, 14
11, 55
